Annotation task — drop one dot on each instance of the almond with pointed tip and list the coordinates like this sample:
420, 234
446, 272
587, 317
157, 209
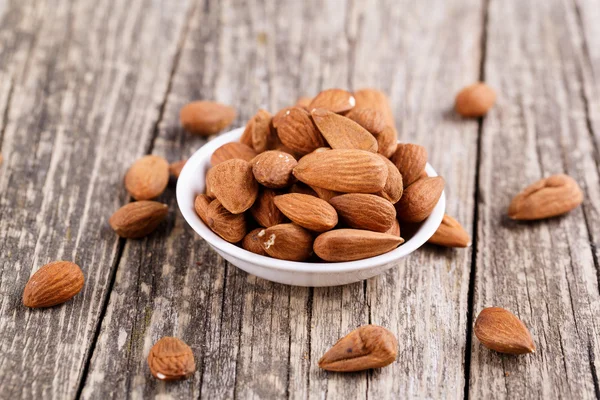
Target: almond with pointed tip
273, 169
376, 100
367, 347
264, 210
206, 118
341, 132
230, 151
233, 183
353, 244
394, 229
450, 234
394, 185
176, 167
138, 219
334, 100
53, 284
548, 197
419, 199
288, 242
231, 227
475, 100
324, 194
307, 211
171, 359
375, 122
297, 131
410, 159
253, 242
147, 178
365, 211
258, 131
500, 330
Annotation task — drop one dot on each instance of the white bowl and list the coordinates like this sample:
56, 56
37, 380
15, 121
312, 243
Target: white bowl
191, 182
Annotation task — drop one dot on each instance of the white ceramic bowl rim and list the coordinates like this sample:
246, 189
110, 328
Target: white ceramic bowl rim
186, 206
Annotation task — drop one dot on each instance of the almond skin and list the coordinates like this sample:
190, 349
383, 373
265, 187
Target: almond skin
171, 359
253, 242
324, 194
258, 129
201, 203
367, 347
264, 210
394, 185
288, 242
419, 199
500, 330
475, 100
341, 132
233, 183
307, 211
230, 151
549, 197
376, 100
138, 219
375, 122
343, 170
297, 131
394, 229
147, 178
206, 118
450, 234
176, 167
365, 211
353, 244
53, 284
231, 227
334, 100
273, 169
410, 159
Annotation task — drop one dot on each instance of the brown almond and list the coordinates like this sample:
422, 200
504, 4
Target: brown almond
201, 203
343, 170
288, 242
475, 100
500, 330
353, 244
253, 242
375, 122
171, 359
258, 129
376, 100
53, 284
450, 234
394, 229
410, 159
206, 118
366, 347
548, 197
365, 211
147, 178
307, 211
176, 167
341, 132
334, 100
304, 102
138, 219
297, 131
233, 183
419, 199
231, 227
264, 210
324, 194
273, 169
230, 151
394, 185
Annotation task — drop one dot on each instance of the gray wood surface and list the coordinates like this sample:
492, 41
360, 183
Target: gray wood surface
87, 87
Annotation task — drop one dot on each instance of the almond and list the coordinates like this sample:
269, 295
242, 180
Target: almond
546, 198
53, 284
353, 244
450, 234
500, 330
304, 102
201, 206
264, 210
367, 347
365, 211
253, 242
138, 219
343, 170
176, 167
394, 185
303, 188
376, 100
475, 100
231, 227
288, 242
307, 211
258, 129
233, 184
341, 132
394, 229
206, 118
410, 159
375, 122
282, 114
334, 100
297, 131
230, 151
419, 199
273, 169
171, 359
324, 194
147, 178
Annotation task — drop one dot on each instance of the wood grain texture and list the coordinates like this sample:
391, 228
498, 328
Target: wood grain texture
81, 88
543, 271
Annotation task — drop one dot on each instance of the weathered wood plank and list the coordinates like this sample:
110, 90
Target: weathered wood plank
85, 85
542, 271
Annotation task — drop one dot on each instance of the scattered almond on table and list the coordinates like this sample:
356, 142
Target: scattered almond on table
53, 284
500, 330
171, 359
475, 100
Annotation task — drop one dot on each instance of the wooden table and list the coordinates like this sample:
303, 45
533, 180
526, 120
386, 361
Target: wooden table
87, 87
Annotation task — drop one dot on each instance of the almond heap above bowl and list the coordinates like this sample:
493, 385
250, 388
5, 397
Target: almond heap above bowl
324, 180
